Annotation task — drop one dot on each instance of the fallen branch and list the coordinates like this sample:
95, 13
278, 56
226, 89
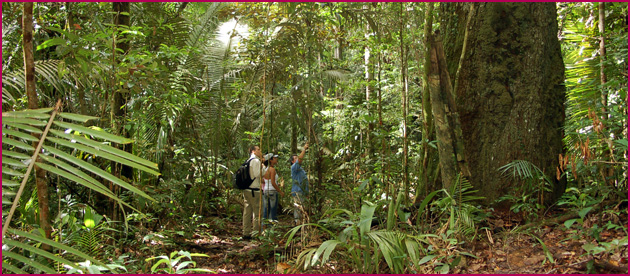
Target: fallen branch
610, 267
560, 219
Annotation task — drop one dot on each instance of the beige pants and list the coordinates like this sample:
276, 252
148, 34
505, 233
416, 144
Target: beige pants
250, 212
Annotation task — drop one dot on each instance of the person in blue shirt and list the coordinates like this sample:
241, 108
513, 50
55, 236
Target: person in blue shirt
299, 186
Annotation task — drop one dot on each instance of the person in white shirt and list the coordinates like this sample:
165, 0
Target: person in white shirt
252, 195
271, 188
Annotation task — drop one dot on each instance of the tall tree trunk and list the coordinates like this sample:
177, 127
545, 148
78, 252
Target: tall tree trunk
294, 119
119, 100
606, 115
403, 73
510, 89
602, 56
445, 115
369, 57
381, 127
428, 129
80, 88
33, 103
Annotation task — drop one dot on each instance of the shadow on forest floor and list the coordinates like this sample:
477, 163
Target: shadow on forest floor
554, 249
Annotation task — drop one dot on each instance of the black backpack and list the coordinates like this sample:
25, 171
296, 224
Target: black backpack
242, 180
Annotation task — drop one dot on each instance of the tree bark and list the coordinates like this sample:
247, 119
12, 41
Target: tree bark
369, 58
510, 89
602, 56
428, 128
403, 80
119, 100
33, 103
448, 129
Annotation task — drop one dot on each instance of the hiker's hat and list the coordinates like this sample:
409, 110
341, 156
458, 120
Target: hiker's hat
270, 156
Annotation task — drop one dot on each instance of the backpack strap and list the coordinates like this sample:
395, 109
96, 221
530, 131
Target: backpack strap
247, 162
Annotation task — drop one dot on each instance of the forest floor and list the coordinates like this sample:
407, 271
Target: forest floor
547, 249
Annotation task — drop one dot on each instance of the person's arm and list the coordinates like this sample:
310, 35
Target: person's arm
301, 156
255, 168
272, 171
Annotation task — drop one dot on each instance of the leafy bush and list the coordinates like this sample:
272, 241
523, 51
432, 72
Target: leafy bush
528, 193
364, 247
175, 265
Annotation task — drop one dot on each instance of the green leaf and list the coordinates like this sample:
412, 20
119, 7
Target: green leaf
9, 183
12, 172
199, 270
583, 212
184, 264
91, 168
76, 172
78, 180
363, 184
16, 155
413, 249
593, 249
569, 223
27, 261
308, 256
88, 218
326, 247
367, 213
12, 162
444, 269
100, 134
25, 121
622, 142
547, 252
17, 144
76, 117
79, 177
35, 113
18, 134
51, 42
165, 261
426, 259
23, 127
101, 153
39, 252
199, 255
294, 230
107, 148
12, 268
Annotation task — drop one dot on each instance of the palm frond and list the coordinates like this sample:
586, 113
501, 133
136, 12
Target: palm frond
522, 169
17, 165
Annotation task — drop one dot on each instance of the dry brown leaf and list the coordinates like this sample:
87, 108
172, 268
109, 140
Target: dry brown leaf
281, 267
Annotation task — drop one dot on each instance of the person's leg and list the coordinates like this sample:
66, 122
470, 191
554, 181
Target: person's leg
297, 207
266, 202
247, 213
267, 196
273, 205
256, 201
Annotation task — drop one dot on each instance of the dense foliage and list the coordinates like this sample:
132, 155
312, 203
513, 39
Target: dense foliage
200, 82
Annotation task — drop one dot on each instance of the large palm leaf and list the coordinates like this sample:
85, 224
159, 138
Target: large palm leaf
186, 80
56, 152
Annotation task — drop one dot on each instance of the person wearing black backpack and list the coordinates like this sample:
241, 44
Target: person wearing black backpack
252, 194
